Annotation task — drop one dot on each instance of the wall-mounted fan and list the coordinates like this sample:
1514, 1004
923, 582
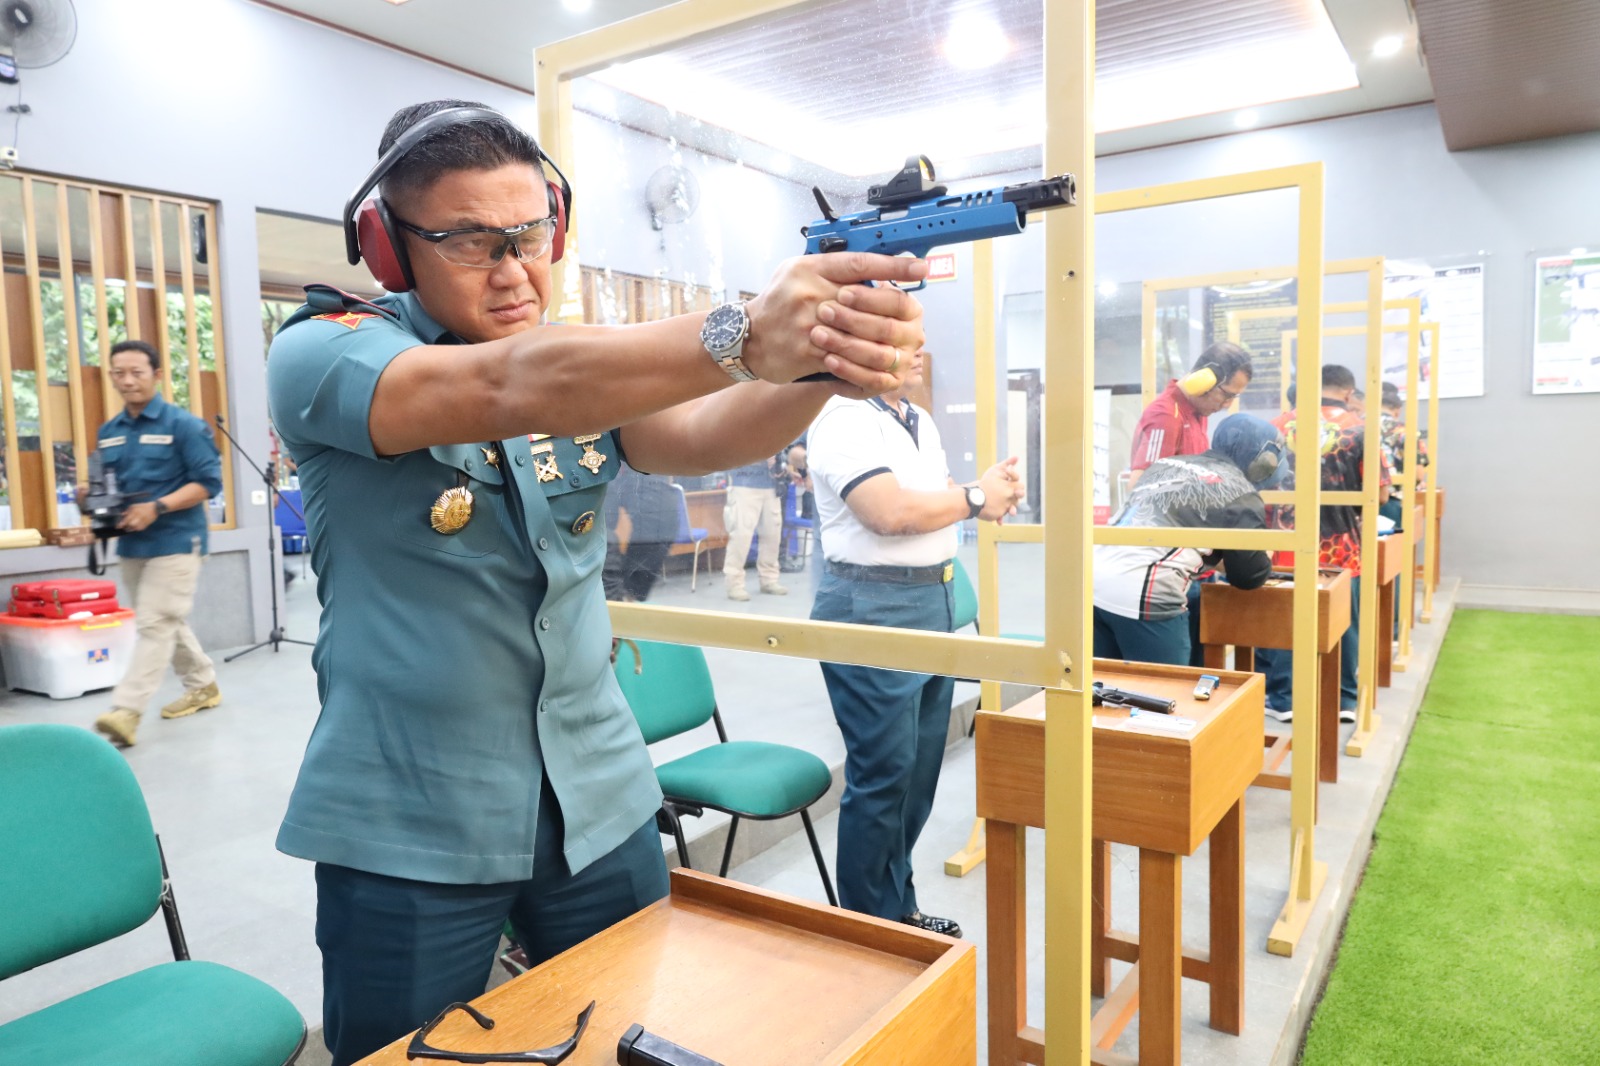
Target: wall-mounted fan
671, 194
35, 33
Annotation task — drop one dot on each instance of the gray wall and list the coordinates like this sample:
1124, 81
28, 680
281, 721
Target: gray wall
229, 101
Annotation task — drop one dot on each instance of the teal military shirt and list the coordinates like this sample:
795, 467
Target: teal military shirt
456, 670
154, 454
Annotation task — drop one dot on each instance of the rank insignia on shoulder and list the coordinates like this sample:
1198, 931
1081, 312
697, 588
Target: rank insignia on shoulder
348, 319
583, 523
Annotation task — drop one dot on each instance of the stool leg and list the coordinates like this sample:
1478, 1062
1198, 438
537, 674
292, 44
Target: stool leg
1160, 957
1005, 871
1227, 922
1099, 917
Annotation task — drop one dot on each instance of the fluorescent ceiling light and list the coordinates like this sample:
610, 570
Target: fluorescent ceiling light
975, 40
1304, 60
575, 5
1247, 119
1579, 251
1384, 47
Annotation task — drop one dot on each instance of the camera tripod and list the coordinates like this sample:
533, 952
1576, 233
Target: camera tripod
276, 635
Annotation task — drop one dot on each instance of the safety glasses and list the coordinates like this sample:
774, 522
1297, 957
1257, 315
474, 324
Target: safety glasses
483, 247
420, 1049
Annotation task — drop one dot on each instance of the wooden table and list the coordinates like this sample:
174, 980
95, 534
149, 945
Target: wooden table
1392, 564
744, 977
1163, 792
1264, 618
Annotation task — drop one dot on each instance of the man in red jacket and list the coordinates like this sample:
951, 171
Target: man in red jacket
1175, 422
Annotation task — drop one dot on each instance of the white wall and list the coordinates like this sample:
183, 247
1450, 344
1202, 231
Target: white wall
234, 102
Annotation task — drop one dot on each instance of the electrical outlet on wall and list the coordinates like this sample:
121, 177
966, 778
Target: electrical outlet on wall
259, 497
8, 157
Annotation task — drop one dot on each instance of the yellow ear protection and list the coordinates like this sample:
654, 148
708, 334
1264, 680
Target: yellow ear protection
1265, 464
1201, 381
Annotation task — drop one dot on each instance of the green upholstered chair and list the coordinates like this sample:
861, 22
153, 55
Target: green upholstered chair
966, 599
81, 865
669, 688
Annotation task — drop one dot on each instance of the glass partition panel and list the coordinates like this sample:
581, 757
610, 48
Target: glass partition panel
695, 170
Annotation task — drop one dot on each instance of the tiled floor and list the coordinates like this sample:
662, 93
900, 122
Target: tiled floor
217, 784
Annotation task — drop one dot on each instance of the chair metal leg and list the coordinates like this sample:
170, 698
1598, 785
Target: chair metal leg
727, 849
683, 845
816, 850
169, 910
694, 575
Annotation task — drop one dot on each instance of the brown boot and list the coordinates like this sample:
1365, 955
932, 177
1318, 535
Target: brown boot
198, 699
119, 726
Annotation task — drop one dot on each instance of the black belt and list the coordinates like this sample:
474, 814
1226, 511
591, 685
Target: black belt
937, 574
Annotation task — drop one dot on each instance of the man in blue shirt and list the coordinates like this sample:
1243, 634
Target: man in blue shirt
166, 461
475, 760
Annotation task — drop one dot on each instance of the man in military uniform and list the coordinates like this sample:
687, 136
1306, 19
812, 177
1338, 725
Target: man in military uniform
166, 461
475, 760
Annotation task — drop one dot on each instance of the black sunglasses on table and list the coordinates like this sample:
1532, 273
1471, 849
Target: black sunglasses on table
420, 1049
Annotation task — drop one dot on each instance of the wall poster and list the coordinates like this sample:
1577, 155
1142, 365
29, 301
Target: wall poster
1566, 323
1453, 297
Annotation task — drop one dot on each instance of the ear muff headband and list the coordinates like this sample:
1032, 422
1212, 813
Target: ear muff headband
369, 230
1201, 381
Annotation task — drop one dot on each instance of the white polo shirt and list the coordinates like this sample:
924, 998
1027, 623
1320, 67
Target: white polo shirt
853, 440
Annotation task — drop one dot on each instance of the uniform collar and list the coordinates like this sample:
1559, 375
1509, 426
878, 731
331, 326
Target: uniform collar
152, 410
1182, 398
416, 318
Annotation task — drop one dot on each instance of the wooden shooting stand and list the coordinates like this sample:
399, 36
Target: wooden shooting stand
1161, 790
1264, 618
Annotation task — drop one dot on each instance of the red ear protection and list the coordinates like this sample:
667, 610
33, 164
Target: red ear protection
370, 233
381, 247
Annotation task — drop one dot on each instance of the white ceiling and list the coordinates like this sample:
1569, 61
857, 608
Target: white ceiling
497, 37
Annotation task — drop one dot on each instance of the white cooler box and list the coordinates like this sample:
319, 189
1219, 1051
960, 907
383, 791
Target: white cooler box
67, 657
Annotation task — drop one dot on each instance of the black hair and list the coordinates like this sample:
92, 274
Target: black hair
1228, 358
475, 144
1335, 376
137, 346
1293, 393
1391, 394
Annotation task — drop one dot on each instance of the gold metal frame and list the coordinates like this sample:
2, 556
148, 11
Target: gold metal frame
1430, 540
1061, 663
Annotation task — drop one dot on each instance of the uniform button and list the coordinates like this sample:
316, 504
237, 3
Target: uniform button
544, 705
522, 460
467, 465
544, 623
544, 544
572, 479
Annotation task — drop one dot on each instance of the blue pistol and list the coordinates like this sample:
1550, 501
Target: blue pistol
909, 213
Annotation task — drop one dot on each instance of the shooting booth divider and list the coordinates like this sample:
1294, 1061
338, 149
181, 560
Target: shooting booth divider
1433, 501
1060, 663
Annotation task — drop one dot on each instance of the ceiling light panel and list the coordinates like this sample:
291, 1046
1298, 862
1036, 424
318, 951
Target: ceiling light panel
854, 85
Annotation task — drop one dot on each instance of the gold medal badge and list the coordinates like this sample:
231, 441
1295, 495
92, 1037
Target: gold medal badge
583, 523
452, 510
544, 461
591, 460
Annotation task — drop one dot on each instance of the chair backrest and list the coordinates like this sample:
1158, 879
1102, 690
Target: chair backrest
78, 857
966, 598
684, 536
668, 686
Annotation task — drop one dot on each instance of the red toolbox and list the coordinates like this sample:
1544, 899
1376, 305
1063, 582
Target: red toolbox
48, 609
65, 591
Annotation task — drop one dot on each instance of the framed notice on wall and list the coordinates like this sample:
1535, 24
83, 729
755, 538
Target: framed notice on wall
1453, 297
1566, 323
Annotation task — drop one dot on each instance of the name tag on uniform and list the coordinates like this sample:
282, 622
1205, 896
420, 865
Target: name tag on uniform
155, 438
112, 442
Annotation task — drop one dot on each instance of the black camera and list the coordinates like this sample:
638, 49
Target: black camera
105, 504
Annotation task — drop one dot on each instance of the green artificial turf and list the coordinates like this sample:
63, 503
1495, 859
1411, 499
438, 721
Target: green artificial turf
1475, 935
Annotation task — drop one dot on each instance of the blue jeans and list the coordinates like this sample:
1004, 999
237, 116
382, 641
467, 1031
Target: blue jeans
1277, 665
1164, 640
396, 952
894, 725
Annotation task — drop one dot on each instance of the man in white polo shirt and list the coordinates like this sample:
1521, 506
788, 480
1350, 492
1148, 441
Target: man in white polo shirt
887, 513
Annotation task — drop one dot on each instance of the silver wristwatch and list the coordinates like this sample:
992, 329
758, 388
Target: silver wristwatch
977, 500
724, 335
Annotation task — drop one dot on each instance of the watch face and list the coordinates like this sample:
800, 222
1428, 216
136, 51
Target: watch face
724, 328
